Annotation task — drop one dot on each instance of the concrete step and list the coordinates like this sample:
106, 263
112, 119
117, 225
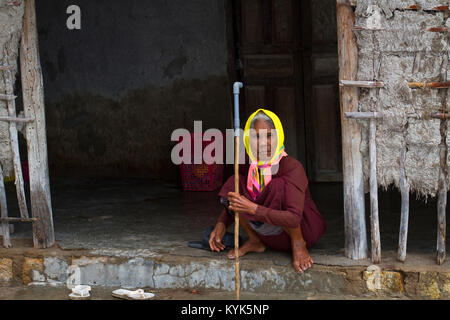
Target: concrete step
165, 271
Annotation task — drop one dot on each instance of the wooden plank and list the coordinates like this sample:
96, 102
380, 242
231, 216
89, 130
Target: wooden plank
440, 115
414, 7
364, 115
441, 8
3, 68
20, 190
442, 205
15, 119
361, 84
321, 91
436, 8
15, 3
374, 220
431, 85
439, 29
4, 212
404, 189
443, 174
7, 97
16, 219
33, 101
378, 115
354, 211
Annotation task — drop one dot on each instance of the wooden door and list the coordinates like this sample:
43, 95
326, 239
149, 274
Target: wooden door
275, 50
269, 49
321, 75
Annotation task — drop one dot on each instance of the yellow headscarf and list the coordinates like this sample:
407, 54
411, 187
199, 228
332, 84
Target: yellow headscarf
255, 181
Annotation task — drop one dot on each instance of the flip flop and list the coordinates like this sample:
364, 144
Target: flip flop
80, 292
139, 294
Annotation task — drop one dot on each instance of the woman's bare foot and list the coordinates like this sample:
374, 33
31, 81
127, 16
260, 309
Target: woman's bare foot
249, 246
301, 258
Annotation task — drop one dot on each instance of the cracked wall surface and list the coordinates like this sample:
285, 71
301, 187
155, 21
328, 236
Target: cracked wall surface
10, 31
403, 51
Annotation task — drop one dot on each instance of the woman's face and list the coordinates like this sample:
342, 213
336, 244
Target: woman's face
263, 140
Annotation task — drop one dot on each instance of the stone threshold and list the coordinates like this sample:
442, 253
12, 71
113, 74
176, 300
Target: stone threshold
330, 275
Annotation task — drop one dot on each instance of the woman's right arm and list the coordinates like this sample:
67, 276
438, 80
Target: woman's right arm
225, 218
215, 238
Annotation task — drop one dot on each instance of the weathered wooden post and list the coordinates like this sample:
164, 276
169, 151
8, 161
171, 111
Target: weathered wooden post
354, 211
4, 212
443, 174
404, 188
15, 140
33, 101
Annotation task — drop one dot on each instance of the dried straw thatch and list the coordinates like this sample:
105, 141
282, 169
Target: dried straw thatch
402, 43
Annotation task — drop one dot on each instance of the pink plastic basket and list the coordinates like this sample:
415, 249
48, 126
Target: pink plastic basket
201, 177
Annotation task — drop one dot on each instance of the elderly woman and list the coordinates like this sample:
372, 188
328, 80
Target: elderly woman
274, 203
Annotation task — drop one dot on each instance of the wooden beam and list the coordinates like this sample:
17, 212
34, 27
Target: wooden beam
443, 174
4, 212
436, 8
442, 205
15, 119
439, 115
414, 7
20, 190
16, 219
33, 101
374, 220
438, 29
441, 8
7, 97
354, 211
361, 84
404, 189
364, 115
431, 85
15, 3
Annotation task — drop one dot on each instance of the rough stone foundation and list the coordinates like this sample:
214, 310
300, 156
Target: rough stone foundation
183, 272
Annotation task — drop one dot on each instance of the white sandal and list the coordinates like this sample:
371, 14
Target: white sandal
80, 292
139, 294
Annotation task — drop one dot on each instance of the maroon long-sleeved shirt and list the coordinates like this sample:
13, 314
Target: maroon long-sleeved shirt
285, 201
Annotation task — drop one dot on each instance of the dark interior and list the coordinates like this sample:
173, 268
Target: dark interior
116, 89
